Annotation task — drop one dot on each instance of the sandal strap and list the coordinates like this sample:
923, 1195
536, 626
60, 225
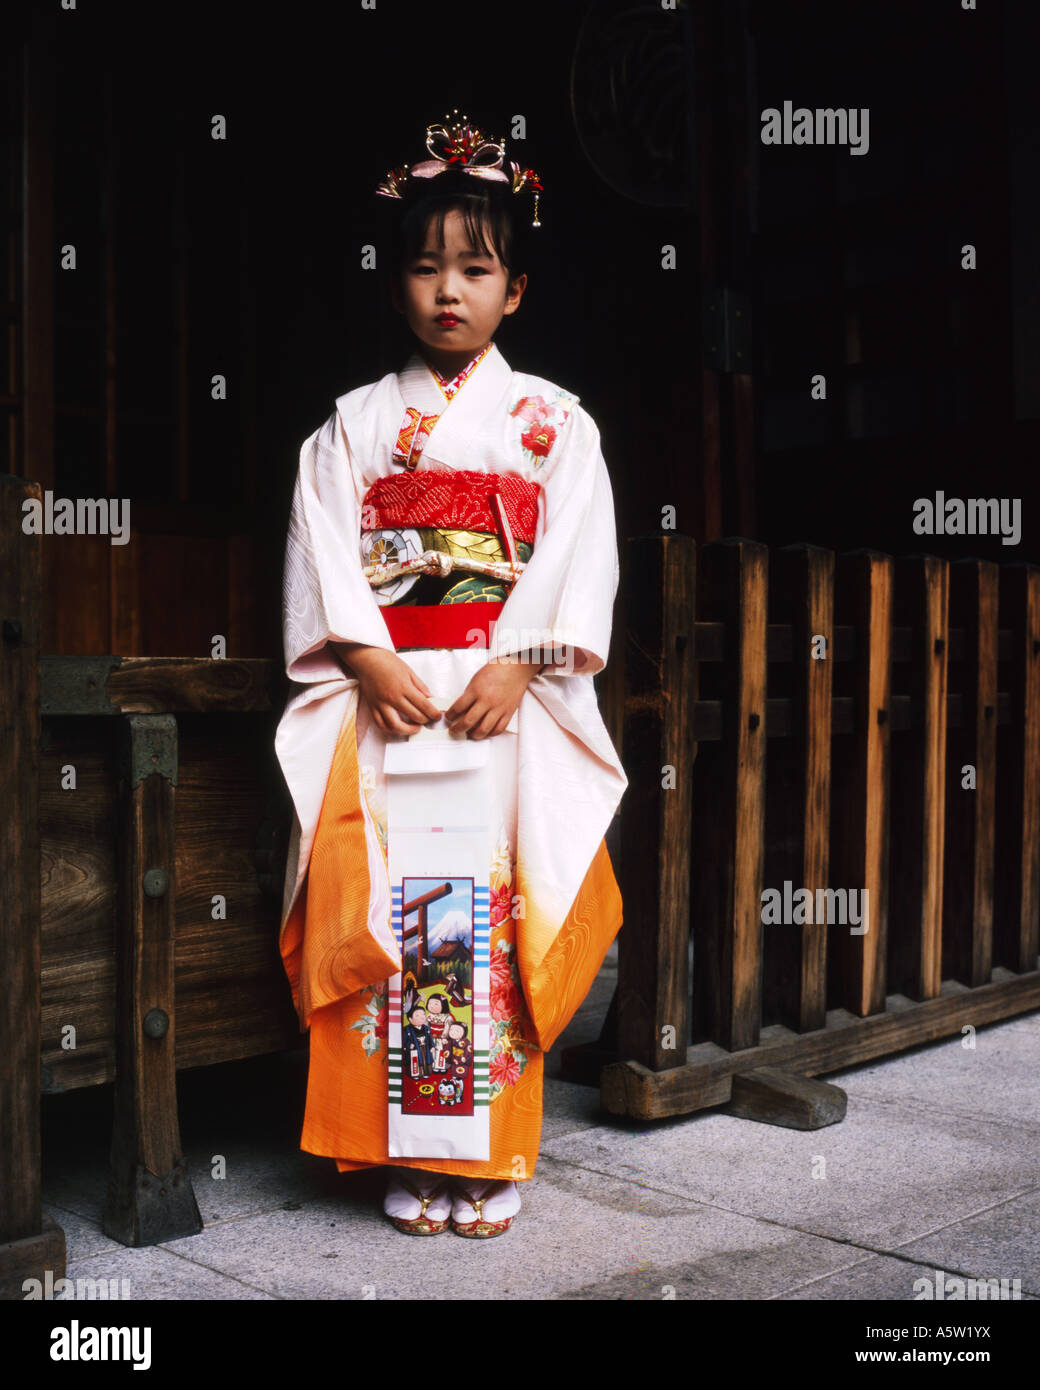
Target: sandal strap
424, 1199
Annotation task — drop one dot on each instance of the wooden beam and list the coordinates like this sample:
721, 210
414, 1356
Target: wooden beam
628, 1088
801, 588
860, 784
729, 804
150, 1196
918, 791
27, 1246
968, 870
1017, 927
654, 869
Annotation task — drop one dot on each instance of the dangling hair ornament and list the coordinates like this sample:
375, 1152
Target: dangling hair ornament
461, 146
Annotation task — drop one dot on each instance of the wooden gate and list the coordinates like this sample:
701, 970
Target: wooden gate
800, 720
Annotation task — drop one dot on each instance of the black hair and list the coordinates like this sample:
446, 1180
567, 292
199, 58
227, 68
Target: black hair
442, 998
491, 213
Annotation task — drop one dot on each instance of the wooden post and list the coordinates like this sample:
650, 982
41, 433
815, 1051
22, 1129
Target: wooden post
801, 593
1017, 927
654, 871
918, 792
967, 931
729, 803
860, 782
150, 1196
30, 1243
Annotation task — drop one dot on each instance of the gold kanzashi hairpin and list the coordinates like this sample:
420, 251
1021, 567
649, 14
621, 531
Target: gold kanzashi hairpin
458, 145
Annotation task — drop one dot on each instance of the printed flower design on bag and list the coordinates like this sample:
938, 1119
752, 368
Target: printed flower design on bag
508, 1055
372, 1025
544, 420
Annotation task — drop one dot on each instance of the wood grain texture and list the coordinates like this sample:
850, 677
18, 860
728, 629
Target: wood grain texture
627, 1088
860, 783
801, 594
918, 782
1017, 926
969, 865
653, 946
20, 582
729, 803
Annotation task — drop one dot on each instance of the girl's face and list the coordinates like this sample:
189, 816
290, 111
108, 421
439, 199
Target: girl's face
455, 297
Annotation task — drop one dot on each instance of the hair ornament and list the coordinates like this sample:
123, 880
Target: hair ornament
458, 145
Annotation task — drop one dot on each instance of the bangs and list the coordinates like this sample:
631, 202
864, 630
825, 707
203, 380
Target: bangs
487, 223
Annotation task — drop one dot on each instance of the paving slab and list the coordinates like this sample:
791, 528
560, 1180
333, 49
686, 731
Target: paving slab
889, 1280
887, 1174
996, 1079
1001, 1243
153, 1273
579, 1236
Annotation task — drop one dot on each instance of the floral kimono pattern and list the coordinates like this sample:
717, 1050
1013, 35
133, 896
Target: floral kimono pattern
555, 906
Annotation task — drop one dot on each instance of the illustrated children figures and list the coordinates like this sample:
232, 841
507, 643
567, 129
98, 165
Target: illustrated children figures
461, 1056
438, 1019
417, 1041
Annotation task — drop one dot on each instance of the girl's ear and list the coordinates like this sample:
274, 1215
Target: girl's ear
516, 293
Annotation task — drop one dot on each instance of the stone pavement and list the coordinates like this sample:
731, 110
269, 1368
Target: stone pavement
936, 1168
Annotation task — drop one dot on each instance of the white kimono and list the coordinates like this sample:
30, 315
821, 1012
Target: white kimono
559, 778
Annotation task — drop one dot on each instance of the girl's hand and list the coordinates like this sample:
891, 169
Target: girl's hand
488, 703
398, 699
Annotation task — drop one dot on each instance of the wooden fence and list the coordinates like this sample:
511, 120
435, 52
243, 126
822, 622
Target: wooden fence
799, 720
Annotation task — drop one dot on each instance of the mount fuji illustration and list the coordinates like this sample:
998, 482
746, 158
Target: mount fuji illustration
453, 926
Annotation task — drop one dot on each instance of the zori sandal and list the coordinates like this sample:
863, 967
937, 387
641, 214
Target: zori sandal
490, 1214
434, 1204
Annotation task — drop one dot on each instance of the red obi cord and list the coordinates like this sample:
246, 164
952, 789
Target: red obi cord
454, 499
441, 624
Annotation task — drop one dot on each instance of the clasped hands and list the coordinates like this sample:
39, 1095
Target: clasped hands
401, 704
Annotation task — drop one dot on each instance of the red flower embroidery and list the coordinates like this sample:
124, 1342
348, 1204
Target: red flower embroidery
503, 995
539, 439
504, 1070
501, 905
504, 1003
381, 1022
532, 409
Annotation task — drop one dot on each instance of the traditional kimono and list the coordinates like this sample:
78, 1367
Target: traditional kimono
473, 467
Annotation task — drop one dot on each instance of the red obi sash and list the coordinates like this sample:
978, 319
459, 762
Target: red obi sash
452, 499
441, 624
456, 499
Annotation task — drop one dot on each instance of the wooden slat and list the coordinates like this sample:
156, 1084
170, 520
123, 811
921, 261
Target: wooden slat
653, 948
918, 785
39, 249
968, 869
20, 1213
729, 804
801, 590
1017, 925
150, 1196
860, 784
626, 1088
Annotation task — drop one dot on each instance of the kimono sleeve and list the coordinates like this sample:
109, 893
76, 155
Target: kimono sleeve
565, 596
325, 595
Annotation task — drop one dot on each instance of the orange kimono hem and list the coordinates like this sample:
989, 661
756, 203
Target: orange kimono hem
346, 1116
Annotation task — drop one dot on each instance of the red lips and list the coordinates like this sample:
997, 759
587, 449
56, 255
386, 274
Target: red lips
448, 318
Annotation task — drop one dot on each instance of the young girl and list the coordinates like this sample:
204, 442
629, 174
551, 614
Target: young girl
451, 566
